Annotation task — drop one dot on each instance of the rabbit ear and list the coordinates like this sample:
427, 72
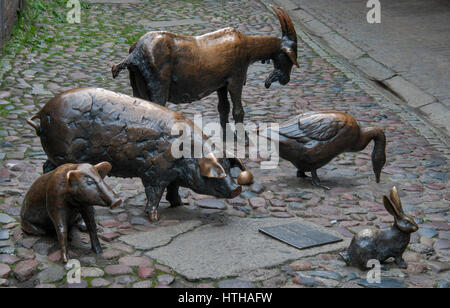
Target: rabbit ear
396, 199
390, 207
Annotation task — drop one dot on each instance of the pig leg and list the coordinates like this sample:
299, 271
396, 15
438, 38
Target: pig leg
81, 225
154, 195
172, 195
133, 83
89, 218
160, 86
141, 87
301, 174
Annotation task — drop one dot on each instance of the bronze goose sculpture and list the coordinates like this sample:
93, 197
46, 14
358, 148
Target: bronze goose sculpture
311, 140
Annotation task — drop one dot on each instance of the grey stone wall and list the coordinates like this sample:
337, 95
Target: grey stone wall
8, 17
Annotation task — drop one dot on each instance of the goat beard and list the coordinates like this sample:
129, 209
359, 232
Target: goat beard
274, 76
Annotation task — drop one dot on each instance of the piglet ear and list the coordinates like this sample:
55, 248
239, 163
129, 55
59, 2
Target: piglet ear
210, 167
70, 177
103, 168
291, 54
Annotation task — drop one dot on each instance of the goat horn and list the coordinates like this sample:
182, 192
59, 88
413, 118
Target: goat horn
282, 20
290, 30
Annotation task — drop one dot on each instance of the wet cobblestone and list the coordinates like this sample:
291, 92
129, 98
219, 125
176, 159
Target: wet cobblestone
70, 56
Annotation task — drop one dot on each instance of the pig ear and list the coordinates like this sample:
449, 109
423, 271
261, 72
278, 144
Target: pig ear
103, 168
70, 176
210, 168
236, 162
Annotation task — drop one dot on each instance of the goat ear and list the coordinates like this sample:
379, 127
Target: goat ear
291, 54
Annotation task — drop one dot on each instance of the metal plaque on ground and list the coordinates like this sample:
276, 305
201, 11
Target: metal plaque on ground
299, 236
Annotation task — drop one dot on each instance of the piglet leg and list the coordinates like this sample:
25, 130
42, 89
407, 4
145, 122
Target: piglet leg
30, 228
60, 223
88, 215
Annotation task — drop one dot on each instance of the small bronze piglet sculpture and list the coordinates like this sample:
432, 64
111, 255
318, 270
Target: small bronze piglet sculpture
56, 200
381, 245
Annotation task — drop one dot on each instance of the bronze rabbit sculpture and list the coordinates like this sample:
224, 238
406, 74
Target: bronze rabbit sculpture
377, 244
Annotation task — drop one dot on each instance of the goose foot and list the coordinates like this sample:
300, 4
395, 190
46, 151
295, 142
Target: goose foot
316, 180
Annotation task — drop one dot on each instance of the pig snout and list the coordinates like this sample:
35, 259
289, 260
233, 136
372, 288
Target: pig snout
233, 189
236, 192
109, 197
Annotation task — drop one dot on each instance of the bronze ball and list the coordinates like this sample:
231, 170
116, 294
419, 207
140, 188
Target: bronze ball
245, 178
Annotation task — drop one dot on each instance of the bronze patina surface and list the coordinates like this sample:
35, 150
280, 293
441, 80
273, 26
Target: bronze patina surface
381, 245
135, 136
311, 140
245, 178
58, 199
164, 66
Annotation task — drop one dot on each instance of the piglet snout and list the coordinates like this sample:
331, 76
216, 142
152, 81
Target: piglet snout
116, 203
109, 197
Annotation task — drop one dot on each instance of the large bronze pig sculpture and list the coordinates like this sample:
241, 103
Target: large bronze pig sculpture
93, 125
56, 199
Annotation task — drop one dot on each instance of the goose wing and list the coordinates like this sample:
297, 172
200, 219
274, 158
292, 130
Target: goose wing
312, 126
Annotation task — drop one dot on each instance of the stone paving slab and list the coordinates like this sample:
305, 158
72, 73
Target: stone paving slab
158, 237
222, 250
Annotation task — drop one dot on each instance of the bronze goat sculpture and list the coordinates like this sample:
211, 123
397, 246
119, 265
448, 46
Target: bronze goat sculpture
164, 66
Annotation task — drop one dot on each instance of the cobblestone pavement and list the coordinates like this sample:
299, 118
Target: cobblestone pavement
71, 56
